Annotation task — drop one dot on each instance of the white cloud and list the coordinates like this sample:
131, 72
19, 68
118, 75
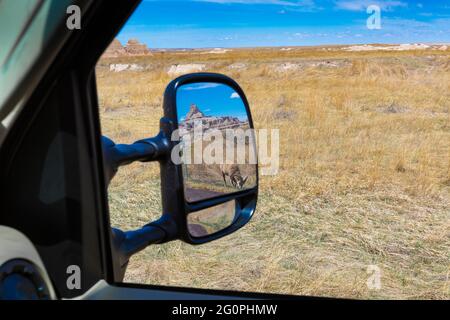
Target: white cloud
301, 35
199, 86
234, 95
295, 3
289, 5
362, 5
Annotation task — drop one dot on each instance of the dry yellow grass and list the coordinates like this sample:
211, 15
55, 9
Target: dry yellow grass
364, 173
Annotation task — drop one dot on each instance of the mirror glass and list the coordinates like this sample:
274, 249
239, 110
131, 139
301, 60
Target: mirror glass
211, 220
217, 145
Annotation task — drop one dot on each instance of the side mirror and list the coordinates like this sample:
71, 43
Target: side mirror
210, 184
207, 153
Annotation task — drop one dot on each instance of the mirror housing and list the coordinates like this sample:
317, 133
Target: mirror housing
175, 206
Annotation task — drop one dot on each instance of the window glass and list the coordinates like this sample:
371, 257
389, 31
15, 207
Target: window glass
359, 205
14, 16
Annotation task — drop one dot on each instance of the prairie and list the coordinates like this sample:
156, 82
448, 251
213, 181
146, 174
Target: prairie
363, 183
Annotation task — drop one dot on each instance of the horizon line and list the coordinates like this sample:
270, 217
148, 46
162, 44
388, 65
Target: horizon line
287, 46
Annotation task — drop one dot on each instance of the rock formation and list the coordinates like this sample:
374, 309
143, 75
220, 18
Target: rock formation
135, 48
114, 50
132, 48
195, 117
194, 113
178, 69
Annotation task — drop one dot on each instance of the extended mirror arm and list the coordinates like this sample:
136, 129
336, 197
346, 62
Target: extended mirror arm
127, 243
116, 155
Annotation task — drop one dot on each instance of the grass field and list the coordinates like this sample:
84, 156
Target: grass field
364, 174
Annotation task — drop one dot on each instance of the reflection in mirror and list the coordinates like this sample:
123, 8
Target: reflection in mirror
217, 143
211, 220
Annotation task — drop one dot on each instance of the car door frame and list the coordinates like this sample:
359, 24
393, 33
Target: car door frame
77, 57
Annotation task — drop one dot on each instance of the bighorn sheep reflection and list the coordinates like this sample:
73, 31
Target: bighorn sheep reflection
233, 172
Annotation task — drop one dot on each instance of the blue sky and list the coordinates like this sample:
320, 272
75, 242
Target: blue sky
250, 23
213, 99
